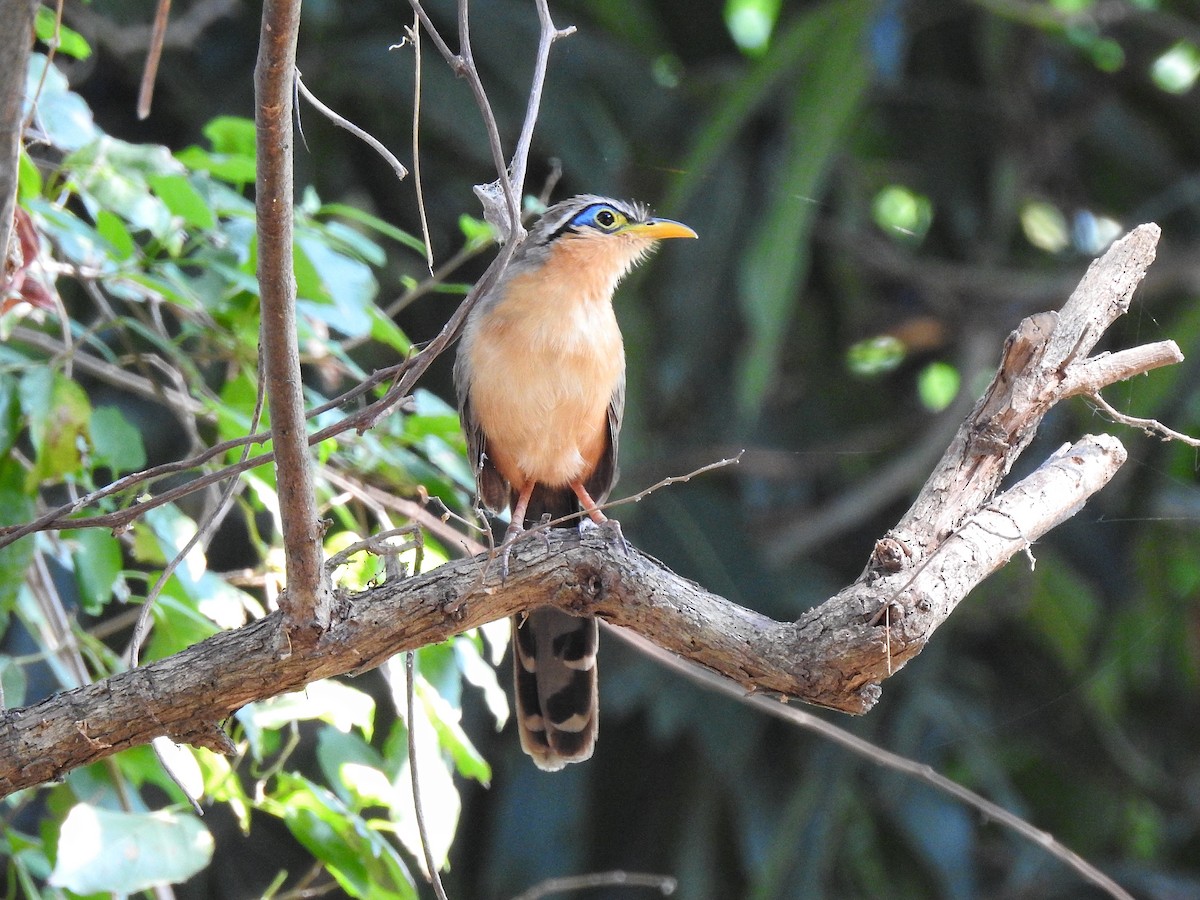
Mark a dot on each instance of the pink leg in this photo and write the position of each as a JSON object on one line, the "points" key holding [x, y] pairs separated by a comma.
{"points": [[516, 526], [589, 505]]}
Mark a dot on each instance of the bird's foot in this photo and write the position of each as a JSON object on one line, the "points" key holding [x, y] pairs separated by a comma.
{"points": [[511, 534], [543, 531], [609, 531]]}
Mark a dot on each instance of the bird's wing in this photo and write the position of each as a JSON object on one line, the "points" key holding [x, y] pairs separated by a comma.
{"points": [[493, 489], [604, 476]]}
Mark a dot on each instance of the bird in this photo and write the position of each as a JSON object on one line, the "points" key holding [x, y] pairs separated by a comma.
{"points": [[540, 381]]}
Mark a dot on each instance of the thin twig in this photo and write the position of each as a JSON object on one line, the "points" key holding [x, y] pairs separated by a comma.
{"points": [[434, 878], [107, 372], [414, 34], [674, 479], [547, 35], [365, 136], [880, 757], [410, 693], [379, 544], [1152, 427], [411, 509], [463, 63], [665, 884], [153, 56], [203, 533]]}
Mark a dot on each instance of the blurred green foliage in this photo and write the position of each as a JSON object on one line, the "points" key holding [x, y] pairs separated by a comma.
{"points": [[883, 190]]}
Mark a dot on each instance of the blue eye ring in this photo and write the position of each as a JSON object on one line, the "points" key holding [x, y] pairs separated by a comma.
{"points": [[600, 216]]}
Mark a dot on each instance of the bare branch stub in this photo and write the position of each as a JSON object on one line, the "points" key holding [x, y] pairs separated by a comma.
{"points": [[1038, 369]]}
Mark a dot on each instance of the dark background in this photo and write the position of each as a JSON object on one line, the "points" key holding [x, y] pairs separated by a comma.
{"points": [[1066, 693]]}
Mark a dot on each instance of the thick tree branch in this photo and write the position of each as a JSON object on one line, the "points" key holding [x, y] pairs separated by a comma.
{"points": [[961, 529], [308, 599]]}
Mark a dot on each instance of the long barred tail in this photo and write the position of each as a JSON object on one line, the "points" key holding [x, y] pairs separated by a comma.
{"points": [[554, 669]]}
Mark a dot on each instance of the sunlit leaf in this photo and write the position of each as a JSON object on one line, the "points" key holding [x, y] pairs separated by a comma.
{"points": [[937, 385], [29, 179], [750, 23], [875, 355], [1045, 226], [12, 681], [63, 39], [330, 701], [361, 859], [231, 134], [104, 850], [1176, 70], [61, 113], [183, 200], [902, 214]]}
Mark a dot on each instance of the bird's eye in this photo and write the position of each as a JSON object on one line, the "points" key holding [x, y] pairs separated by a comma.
{"points": [[601, 217]]}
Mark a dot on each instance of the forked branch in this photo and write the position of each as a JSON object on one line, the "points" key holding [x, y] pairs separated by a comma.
{"points": [[959, 531]]}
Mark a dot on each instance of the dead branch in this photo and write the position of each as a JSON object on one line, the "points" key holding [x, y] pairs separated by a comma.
{"points": [[961, 529]]}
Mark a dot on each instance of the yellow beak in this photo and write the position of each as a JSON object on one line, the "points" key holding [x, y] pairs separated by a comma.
{"points": [[659, 229]]}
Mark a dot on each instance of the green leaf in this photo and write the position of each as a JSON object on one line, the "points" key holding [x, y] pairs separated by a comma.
{"points": [[63, 115], [231, 134], [114, 175], [115, 443], [183, 200], [364, 863], [78, 241], [12, 680], [937, 385], [29, 179], [388, 332], [339, 278], [98, 565], [482, 675], [340, 705], [453, 740], [120, 852], [16, 506], [355, 769], [875, 355], [58, 412], [387, 229], [178, 624], [477, 231], [233, 169], [10, 414], [828, 91], [59, 36], [439, 795], [750, 23], [110, 227], [347, 240]]}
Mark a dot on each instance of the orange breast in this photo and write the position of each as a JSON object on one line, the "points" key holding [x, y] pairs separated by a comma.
{"points": [[545, 362]]}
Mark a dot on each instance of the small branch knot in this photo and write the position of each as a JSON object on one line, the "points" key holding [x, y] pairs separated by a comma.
{"points": [[889, 555]]}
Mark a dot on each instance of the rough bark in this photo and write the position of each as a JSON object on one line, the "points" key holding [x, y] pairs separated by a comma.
{"points": [[16, 24]]}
